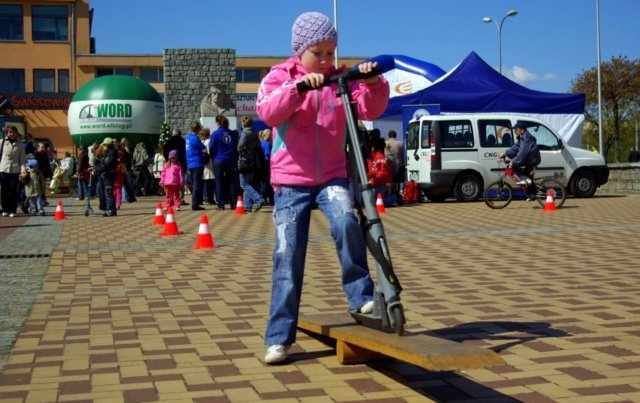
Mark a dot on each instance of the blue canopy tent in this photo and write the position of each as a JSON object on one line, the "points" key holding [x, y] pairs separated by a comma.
{"points": [[475, 87]]}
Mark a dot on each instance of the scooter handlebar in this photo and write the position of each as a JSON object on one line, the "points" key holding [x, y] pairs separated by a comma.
{"points": [[384, 64]]}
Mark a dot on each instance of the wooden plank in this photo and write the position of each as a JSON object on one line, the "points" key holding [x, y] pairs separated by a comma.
{"points": [[355, 343]]}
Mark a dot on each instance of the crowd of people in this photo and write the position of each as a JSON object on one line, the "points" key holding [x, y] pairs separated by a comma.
{"points": [[216, 167]]}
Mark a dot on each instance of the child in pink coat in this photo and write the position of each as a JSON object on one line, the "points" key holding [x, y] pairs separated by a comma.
{"points": [[118, 183], [172, 179]]}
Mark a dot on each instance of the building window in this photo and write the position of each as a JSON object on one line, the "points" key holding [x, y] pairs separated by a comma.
{"points": [[63, 80], [44, 80], [11, 28], [248, 75], [152, 74], [50, 23], [110, 71], [12, 80]]}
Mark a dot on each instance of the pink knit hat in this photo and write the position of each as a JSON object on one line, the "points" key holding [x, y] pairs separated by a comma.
{"points": [[310, 29]]}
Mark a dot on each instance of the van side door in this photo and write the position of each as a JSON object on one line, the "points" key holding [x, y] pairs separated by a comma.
{"points": [[495, 136], [552, 162]]}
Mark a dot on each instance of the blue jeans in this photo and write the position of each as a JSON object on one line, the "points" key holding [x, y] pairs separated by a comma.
{"points": [[251, 196], [107, 200], [292, 215], [127, 190], [36, 204], [196, 186], [82, 189]]}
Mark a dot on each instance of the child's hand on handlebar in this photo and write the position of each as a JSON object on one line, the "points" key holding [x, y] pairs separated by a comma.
{"points": [[367, 67], [313, 80]]}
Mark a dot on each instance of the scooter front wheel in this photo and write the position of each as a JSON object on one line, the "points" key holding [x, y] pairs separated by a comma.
{"points": [[398, 319]]}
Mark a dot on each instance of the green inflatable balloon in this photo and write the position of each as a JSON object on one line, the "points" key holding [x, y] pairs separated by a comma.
{"points": [[116, 106]]}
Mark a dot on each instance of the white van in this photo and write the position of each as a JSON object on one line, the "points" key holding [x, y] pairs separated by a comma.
{"points": [[457, 155]]}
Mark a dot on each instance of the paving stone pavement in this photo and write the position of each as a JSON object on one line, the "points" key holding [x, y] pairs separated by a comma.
{"points": [[122, 314]]}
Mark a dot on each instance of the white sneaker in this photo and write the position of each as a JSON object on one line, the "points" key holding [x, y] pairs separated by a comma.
{"points": [[276, 353], [524, 182], [12, 215], [367, 307], [5, 214]]}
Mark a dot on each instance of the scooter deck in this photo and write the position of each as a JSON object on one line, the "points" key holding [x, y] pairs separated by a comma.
{"points": [[358, 344]]}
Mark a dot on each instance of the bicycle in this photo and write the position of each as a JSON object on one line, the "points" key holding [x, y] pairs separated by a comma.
{"points": [[498, 194]]}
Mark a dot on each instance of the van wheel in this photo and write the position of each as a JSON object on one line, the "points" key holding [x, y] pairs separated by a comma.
{"points": [[467, 188], [583, 184]]}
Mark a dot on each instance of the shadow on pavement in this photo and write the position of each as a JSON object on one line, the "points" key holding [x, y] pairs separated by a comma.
{"points": [[519, 332]]}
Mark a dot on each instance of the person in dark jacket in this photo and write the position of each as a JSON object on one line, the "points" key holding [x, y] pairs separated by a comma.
{"points": [[42, 156], [194, 151], [524, 153], [83, 173], [250, 161], [223, 148], [106, 169]]}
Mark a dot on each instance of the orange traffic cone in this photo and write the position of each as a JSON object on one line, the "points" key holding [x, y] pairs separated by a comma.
{"points": [[240, 206], [59, 211], [549, 205], [170, 225], [380, 204], [159, 218], [204, 240]]}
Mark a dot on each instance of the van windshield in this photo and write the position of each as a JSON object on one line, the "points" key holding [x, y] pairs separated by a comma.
{"points": [[544, 137]]}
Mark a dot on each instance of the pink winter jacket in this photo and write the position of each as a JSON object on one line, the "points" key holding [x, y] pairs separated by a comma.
{"points": [[172, 174], [309, 133]]}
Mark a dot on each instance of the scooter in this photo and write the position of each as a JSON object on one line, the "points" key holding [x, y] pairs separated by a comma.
{"points": [[388, 312], [87, 209]]}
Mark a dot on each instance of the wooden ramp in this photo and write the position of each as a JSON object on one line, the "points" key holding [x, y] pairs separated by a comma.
{"points": [[357, 344]]}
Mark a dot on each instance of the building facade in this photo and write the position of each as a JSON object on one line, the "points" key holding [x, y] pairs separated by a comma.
{"points": [[48, 52]]}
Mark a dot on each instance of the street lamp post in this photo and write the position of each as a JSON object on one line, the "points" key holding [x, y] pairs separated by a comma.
{"points": [[335, 24], [511, 13]]}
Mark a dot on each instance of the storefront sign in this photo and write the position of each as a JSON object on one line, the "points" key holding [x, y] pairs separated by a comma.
{"points": [[246, 104], [37, 100]]}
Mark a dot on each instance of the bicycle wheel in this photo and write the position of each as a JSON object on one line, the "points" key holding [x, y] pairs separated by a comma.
{"points": [[558, 192], [498, 195]]}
